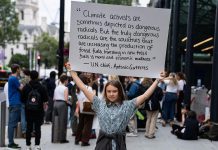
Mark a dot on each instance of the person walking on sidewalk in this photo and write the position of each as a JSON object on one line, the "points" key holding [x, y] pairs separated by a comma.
{"points": [[15, 104], [112, 127], [34, 95]]}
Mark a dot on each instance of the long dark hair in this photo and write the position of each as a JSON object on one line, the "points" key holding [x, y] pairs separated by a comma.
{"points": [[181, 75], [117, 84], [191, 114]]}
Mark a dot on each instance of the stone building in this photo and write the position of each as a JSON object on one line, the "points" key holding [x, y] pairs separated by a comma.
{"points": [[28, 11]]}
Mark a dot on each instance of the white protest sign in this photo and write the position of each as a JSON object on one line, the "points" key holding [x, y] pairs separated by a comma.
{"points": [[118, 40]]}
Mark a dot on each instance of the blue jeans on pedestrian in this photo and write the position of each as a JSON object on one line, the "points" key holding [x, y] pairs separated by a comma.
{"points": [[169, 104], [14, 118], [23, 119]]}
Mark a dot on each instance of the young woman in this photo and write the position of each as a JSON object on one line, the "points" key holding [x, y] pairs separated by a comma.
{"points": [[113, 112], [60, 108], [190, 129], [84, 128], [181, 83], [169, 103]]}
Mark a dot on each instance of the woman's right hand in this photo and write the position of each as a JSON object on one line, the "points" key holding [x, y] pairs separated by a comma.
{"points": [[68, 67]]}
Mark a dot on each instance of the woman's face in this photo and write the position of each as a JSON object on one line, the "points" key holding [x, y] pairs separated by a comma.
{"points": [[177, 77], [112, 93]]}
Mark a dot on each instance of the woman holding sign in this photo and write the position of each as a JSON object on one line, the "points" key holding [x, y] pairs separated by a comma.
{"points": [[113, 112]]}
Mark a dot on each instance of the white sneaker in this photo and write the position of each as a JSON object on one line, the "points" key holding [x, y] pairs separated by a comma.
{"points": [[37, 147], [28, 148], [131, 135]]}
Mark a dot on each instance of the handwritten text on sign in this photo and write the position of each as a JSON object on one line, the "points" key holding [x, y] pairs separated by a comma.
{"points": [[121, 40]]}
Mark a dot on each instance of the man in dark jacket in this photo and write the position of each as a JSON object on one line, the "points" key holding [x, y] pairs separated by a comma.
{"points": [[34, 117], [50, 86]]}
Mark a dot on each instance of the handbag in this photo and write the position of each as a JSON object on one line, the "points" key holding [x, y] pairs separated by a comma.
{"points": [[87, 108]]}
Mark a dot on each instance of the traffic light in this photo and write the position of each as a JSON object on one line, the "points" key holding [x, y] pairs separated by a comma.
{"points": [[39, 60]]}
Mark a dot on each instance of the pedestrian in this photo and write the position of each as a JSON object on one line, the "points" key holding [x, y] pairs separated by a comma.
{"points": [[24, 80], [101, 83], [113, 112], [15, 104], [34, 95], [180, 101], [72, 94], [152, 107], [133, 93], [60, 108], [94, 84], [50, 85], [85, 119], [169, 103]]}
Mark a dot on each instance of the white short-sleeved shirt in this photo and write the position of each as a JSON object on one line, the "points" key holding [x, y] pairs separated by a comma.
{"points": [[82, 98], [181, 84], [170, 87]]}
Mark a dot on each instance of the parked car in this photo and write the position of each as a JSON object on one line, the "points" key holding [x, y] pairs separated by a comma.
{"points": [[4, 75]]}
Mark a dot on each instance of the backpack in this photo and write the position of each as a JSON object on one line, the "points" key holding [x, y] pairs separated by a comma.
{"points": [[153, 103], [140, 90], [213, 133], [34, 100], [50, 85], [72, 93]]}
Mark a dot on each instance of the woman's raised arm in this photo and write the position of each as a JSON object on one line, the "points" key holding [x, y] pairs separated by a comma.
{"points": [[80, 84], [142, 98]]}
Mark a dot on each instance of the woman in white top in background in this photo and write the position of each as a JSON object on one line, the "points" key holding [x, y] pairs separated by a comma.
{"points": [[85, 119], [168, 108], [181, 83], [60, 108]]}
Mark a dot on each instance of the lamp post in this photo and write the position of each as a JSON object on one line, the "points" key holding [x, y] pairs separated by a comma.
{"points": [[214, 100], [61, 39]]}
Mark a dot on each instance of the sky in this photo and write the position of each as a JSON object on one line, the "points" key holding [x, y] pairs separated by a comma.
{"points": [[50, 9]]}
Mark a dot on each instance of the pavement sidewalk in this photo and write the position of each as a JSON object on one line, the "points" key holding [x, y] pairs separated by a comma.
{"points": [[164, 141]]}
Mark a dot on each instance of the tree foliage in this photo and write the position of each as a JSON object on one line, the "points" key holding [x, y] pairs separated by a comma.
{"points": [[47, 47], [117, 2], [8, 23], [19, 59]]}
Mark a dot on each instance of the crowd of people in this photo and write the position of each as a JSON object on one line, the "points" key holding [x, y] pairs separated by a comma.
{"points": [[122, 100]]}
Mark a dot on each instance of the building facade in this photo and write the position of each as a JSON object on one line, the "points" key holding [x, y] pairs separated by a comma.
{"points": [[28, 12]]}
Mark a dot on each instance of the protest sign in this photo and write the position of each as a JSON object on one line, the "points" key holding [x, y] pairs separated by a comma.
{"points": [[118, 40]]}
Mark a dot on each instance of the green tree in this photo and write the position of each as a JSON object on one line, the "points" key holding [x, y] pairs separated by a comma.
{"points": [[8, 23], [47, 47], [117, 2], [19, 59]]}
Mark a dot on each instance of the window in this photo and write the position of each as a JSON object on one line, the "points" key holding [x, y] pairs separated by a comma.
{"points": [[34, 15], [22, 14]]}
